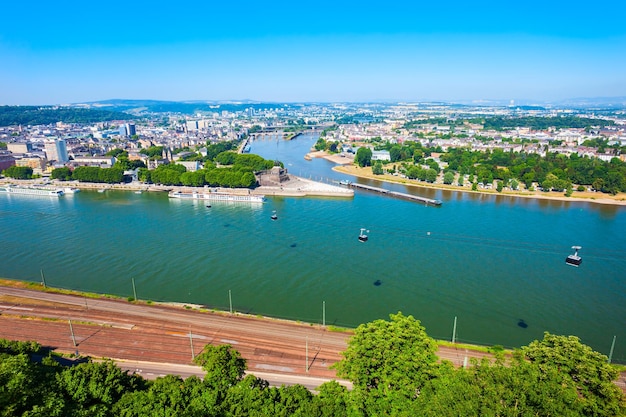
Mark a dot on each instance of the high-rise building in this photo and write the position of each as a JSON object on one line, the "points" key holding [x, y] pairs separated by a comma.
{"points": [[128, 129], [191, 125], [56, 150]]}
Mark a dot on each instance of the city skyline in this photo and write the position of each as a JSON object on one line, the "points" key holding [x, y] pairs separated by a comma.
{"points": [[312, 52]]}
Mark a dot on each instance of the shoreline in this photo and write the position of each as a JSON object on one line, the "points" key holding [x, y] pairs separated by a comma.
{"points": [[38, 287], [577, 196], [295, 187]]}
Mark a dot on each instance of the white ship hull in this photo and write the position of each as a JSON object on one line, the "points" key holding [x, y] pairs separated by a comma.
{"points": [[218, 196], [17, 190]]}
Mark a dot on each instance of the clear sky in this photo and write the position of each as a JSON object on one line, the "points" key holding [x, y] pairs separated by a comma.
{"points": [[56, 52]]}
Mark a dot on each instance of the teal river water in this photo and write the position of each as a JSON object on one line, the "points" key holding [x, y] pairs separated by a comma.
{"points": [[490, 261]]}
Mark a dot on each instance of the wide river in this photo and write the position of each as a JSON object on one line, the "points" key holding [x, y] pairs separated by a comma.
{"points": [[495, 263]]}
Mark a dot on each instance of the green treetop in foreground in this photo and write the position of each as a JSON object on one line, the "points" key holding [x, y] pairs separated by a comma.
{"points": [[392, 365]]}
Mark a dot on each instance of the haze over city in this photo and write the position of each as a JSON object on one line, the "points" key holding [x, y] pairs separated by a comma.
{"points": [[70, 52]]}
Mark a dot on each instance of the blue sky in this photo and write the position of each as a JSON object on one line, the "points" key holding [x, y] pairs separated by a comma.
{"points": [[68, 52]]}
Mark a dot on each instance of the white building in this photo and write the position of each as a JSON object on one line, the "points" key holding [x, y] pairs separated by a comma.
{"points": [[381, 156]]}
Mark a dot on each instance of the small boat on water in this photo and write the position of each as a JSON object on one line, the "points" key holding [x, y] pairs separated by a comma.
{"points": [[274, 216], [363, 236], [574, 259]]}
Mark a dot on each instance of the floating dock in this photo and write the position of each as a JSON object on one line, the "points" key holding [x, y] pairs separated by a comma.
{"points": [[411, 197]]}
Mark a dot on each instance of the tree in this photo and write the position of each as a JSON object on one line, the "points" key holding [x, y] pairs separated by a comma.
{"points": [[448, 177], [395, 153], [62, 174], [363, 157], [377, 168], [224, 366], [168, 396], [331, 400], [92, 388], [27, 388], [18, 173], [388, 362], [431, 175], [581, 368]]}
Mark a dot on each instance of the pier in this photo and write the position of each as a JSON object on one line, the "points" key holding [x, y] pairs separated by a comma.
{"points": [[411, 197]]}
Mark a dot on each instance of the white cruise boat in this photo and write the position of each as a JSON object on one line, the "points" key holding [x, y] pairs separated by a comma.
{"points": [[41, 191], [218, 196]]}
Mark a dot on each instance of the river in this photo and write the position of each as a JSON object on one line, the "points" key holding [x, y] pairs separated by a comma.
{"points": [[495, 263]]}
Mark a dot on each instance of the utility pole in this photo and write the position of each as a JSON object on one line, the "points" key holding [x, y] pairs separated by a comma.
{"points": [[191, 343], [230, 301], [323, 313], [134, 289], [43, 279], [307, 355], [72, 333], [454, 331], [611, 352]]}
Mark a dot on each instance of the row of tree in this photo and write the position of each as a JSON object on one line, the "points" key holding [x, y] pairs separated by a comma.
{"points": [[392, 365], [500, 123]]}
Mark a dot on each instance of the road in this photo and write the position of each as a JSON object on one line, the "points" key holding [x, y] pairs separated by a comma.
{"points": [[156, 339]]}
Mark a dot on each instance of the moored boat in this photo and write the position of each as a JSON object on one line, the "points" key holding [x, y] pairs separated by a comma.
{"points": [[218, 196], [40, 191]]}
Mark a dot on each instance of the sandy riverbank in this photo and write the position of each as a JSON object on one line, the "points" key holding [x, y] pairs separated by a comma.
{"points": [[339, 159], [585, 196]]}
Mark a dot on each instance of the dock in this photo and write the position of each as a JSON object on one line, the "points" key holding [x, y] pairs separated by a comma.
{"points": [[397, 194]]}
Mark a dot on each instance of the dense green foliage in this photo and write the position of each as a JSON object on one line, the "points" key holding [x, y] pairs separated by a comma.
{"points": [[62, 174], [555, 171], [212, 150], [235, 171], [100, 175], [391, 364], [511, 122], [363, 157], [18, 173], [32, 115], [540, 123]]}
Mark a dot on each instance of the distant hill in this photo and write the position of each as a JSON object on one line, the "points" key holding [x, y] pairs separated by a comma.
{"points": [[44, 115], [182, 107], [596, 102]]}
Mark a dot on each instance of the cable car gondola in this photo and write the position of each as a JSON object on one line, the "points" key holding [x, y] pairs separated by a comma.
{"points": [[574, 260]]}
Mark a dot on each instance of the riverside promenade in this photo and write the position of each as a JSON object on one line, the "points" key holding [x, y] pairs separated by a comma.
{"points": [[302, 187], [294, 187]]}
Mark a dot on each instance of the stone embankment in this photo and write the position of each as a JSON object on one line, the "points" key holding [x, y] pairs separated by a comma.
{"points": [[294, 187]]}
